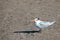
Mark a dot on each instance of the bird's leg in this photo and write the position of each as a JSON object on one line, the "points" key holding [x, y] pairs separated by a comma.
{"points": [[40, 30]]}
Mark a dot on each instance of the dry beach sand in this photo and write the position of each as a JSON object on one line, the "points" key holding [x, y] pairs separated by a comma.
{"points": [[17, 15]]}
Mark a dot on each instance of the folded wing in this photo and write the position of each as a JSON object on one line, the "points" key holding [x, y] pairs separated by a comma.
{"points": [[46, 24]]}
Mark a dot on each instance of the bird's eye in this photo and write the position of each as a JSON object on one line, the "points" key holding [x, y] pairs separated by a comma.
{"points": [[38, 18]]}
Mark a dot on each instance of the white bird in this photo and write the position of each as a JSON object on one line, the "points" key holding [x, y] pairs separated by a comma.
{"points": [[42, 24]]}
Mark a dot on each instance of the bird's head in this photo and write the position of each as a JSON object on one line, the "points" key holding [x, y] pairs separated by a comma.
{"points": [[36, 19]]}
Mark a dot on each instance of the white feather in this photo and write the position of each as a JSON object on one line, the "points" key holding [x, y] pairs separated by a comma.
{"points": [[43, 24]]}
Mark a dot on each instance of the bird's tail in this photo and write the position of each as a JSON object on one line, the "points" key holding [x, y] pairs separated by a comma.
{"points": [[52, 22]]}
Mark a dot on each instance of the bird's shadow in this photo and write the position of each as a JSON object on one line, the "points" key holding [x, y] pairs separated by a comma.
{"points": [[28, 31]]}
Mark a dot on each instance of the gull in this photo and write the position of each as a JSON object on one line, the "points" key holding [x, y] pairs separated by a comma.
{"points": [[42, 24]]}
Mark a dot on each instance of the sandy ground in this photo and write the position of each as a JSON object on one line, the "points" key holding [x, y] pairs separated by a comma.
{"points": [[17, 15]]}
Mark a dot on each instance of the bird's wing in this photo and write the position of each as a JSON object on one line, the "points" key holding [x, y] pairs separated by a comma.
{"points": [[46, 24], [42, 26]]}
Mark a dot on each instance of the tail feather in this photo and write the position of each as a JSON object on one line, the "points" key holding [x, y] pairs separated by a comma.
{"points": [[52, 22]]}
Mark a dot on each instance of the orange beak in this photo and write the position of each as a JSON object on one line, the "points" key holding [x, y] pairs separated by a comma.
{"points": [[33, 21]]}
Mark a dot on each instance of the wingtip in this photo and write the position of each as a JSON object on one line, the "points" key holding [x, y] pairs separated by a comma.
{"points": [[54, 21]]}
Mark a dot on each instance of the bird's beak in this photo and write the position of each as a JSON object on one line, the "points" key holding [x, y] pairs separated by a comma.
{"points": [[32, 20]]}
